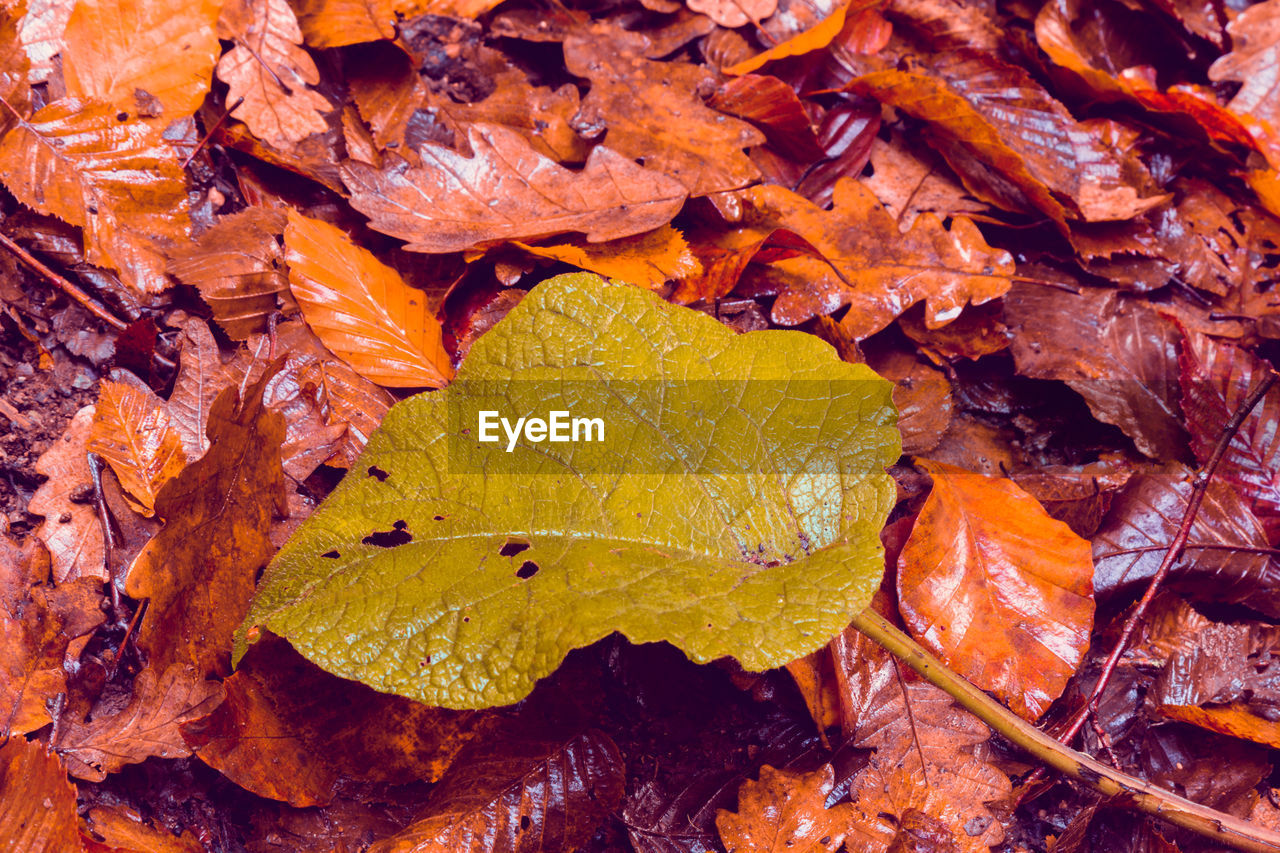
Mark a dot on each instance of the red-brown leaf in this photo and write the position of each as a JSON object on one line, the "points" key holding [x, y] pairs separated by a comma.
{"points": [[785, 812]]}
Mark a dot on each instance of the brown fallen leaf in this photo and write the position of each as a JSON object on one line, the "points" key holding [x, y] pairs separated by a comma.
{"points": [[509, 793], [734, 13], [270, 70], [337, 23], [133, 432], [37, 623], [201, 378], [649, 260], [14, 66], [40, 33], [542, 115], [199, 571], [163, 48], [290, 731], [37, 803], [122, 830], [237, 265], [785, 812], [911, 179], [118, 179], [651, 112], [508, 191], [814, 38], [1254, 61], [362, 310], [451, 8], [70, 529], [877, 271], [996, 588], [131, 725], [387, 91]]}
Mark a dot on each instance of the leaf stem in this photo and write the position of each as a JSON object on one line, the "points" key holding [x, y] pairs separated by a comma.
{"points": [[1210, 823]]}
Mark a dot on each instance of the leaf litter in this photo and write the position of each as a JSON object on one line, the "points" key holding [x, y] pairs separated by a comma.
{"points": [[1053, 228]]}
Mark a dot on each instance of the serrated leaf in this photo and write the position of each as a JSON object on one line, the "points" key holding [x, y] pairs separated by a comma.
{"points": [[734, 508], [134, 433], [362, 310], [785, 811]]}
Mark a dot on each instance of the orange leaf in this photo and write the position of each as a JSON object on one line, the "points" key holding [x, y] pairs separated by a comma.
{"points": [[117, 179], [70, 529], [649, 260], [881, 272], [508, 191], [815, 38], [14, 65], [271, 71], [236, 266], [468, 9], [336, 23], [785, 813], [132, 431], [37, 803], [166, 48], [654, 114], [996, 588], [123, 830], [362, 310]]}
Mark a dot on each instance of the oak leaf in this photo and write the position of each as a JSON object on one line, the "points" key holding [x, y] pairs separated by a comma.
{"points": [[649, 260], [516, 794], [785, 812], [362, 310], [199, 571], [133, 432], [237, 265], [874, 269], [542, 115], [162, 48], [508, 191], [70, 530], [653, 114], [118, 179], [37, 803], [337, 23], [999, 590], [271, 71]]}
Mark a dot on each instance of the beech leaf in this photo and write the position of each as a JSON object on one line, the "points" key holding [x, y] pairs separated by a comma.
{"points": [[649, 260], [37, 803], [999, 590], [133, 432], [733, 508], [508, 191], [785, 812], [362, 310]]}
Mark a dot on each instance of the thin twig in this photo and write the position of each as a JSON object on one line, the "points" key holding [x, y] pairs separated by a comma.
{"points": [[1171, 556], [208, 134], [96, 465], [67, 287], [1210, 823], [1192, 546]]}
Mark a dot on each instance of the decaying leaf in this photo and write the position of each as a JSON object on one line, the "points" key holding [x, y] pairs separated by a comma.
{"points": [[814, 38], [37, 803], [335, 23], [476, 552], [874, 269], [270, 70], [1254, 62], [362, 310], [508, 191], [132, 431], [161, 48], [70, 529], [649, 260], [122, 828], [784, 812], [201, 378], [517, 794], [732, 13], [999, 590]]}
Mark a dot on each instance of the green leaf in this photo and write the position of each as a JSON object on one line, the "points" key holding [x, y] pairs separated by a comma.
{"points": [[733, 508]]}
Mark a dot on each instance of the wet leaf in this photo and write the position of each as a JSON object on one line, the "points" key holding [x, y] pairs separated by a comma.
{"points": [[508, 191], [14, 65], [237, 265], [270, 70], [162, 48], [714, 591], [132, 431], [199, 571], [730, 13], [1254, 62], [70, 529], [641, 102], [514, 794], [116, 178], [649, 260], [201, 378], [785, 812], [335, 23], [123, 830], [37, 622], [362, 310], [815, 38], [874, 269], [999, 590], [37, 803]]}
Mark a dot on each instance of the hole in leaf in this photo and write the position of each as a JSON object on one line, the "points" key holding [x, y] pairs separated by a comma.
{"points": [[513, 547], [332, 555], [375, 471], [527, 570], [397, 535], [257, 576], [437, 518], [524, 822], [122, 116], [466, 618]]}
